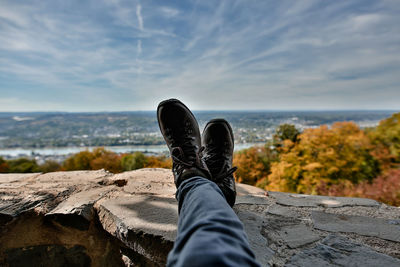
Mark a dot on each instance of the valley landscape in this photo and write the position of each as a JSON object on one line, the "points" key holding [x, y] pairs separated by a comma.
{"points": [[57, 134]]}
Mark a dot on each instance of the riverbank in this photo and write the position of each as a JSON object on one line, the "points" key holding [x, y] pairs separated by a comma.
{"points": [[60, 153]]}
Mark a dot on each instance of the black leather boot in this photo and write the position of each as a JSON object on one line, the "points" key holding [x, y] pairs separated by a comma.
{"points": [[182, 135], [218, 153]]}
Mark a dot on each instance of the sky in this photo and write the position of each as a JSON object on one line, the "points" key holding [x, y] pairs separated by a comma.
{"points": [[117, 55]]}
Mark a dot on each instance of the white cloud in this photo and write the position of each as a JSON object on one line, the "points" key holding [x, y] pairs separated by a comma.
{"points": [[17, 18], [139, 47], [365, 20], [139, 16], [169, 12], [262, 57]]}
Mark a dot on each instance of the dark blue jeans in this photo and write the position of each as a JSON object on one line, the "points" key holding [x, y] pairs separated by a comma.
{"points": [[209, 232]]}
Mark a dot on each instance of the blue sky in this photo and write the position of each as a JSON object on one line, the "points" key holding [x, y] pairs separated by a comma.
{"points": [[116, 55]]}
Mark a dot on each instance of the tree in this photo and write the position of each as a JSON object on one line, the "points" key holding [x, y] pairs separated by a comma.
{"points": [[384, 188], [323, 157], [285, 132], [50, 166], [386, 140], [133, 161], [23, 165], [3, 165], [158, 162], [100, 158], [253, 164], [105, 159], [79, 161]]}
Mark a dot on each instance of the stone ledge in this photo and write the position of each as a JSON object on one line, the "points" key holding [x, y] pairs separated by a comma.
{"points": [[134, 215]]}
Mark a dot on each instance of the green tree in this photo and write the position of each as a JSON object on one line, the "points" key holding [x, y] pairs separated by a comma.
{"points": [[23, 165], [133, 161], [50, 166], [286, 132], [79, 161]]}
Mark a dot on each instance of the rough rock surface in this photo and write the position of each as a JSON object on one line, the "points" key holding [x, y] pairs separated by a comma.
{"points": [[94, 218], [340, 251]]}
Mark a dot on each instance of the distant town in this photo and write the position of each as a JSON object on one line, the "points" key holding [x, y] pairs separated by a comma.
{"points": [[56, 135]]}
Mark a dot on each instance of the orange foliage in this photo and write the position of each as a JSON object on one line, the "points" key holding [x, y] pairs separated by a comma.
{"points": [[253, 165], [324, 157], [107, 160], [386, 140], [4, 167], [100, 158], [158, 162]]}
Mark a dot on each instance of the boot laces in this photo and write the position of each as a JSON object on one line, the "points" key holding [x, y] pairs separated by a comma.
{"points": [[214, 158], [185, 144], [181, 162]]}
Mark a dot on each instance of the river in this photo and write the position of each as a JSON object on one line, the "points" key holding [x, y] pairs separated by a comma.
{"points": [[58, 151]]}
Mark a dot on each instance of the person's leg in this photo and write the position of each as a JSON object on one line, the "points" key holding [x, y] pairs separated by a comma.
{"points": [[209, 232]]}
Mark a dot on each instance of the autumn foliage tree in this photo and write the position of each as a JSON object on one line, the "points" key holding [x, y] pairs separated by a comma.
{"points": [[105, 159], [3, 165], [158, 162], [384, 188], [253, 164], [324, 157], [99, 158], [79, 161], [386, 140]]}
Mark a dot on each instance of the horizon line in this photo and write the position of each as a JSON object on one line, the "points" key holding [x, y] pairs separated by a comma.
{"points": [[209, 110]]}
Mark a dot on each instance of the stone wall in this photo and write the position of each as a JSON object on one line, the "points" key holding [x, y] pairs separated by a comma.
{"points": [[94, 218]]}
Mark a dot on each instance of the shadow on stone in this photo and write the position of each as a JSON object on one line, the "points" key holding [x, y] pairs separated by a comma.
{"points": [[144, 223], [152, 210], [48, 255], [70, 220], [34, 240]]}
